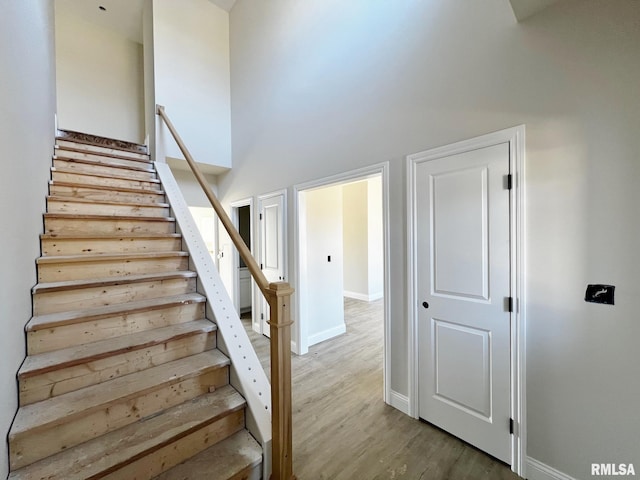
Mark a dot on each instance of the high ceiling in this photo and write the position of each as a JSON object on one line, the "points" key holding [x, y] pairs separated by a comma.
{"points": [[125, 16], [525, 8]]}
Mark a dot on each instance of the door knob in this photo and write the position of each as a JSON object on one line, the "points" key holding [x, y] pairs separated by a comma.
{"points": [[425, 304]]}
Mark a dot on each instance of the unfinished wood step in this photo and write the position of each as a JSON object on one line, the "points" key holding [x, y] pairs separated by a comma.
{"points": [[102, 150], [95, 168], [85, 294], [106, 193], [67, 223], [55, 331], [119, 181], [55, 373], [238, 457], [53, 244], [56, 424], [145, 449], [77, 267], [69, 152], [83, 206]]}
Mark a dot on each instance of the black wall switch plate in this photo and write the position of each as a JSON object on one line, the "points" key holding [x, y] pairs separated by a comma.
{"points": [[599, 294]]}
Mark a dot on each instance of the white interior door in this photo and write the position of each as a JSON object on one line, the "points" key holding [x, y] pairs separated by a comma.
{"points": [[272, 246], [463, 288]]}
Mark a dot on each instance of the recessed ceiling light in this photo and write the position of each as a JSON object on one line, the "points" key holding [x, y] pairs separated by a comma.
{"points": [[102, 8]]}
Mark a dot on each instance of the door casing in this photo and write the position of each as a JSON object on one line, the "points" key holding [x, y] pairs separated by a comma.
{"points": [[299, 342], [515, 136]]}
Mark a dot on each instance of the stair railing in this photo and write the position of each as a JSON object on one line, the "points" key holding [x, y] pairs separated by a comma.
{"points": [[278, 295]]}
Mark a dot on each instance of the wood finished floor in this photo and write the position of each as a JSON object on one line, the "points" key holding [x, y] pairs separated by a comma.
{"points": [[342, 429]]}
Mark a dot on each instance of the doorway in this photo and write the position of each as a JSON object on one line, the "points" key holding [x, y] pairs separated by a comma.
{"points": [[330, 268], [466, 291], [243, 284]]}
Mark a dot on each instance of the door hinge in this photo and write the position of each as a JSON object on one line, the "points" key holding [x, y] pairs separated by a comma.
{"points": [[509, 181], [262, 316], [260, 216], [508, 301], [511, 426], [261, 267]]}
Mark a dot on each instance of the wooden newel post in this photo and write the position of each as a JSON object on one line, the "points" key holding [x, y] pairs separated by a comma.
{"points": [[281, 423]]}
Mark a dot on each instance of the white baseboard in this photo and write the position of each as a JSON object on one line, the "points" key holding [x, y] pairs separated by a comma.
{"points": [[537, 470], [363, 296], [327, 334], [399, 401]]}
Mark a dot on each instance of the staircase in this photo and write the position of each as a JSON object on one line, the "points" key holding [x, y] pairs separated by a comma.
{"points": [[122, 378]]}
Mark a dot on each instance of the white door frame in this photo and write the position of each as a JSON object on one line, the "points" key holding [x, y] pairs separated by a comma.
{"points": [[300, 344], [515, 136], [258, 297], [245, 202]]}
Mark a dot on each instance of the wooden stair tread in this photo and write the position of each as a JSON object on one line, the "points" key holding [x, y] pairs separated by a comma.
{"points": [[75, 149], [107, 281], [60, 198], [45, 362], [146, 168], [63, 153], [115, 449], [74, 216], [222, 461], [52, 320], [107, 236], [90, 140], [106, 187], [103, 175], [60, 409], [105, 257]]}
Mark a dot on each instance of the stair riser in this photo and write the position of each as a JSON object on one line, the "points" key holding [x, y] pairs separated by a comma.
{"points": [[103, 150], [62, 272], [55, 338], [105, 195], [69, 177], [94, 157], [46, 440], [175, 453], [100, 169], [51, 384], [82, 208], [83, 298], [110, 226]]}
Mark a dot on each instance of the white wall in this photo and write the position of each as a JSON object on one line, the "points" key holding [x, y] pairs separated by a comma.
{"points": [[363, 239], [320, 88], [191, 189], [149, 79], [356, 239], [99, 79], [191, 78], [27, 96], [323, 308]]}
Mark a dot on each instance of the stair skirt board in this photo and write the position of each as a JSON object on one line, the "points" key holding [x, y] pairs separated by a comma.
{"points": [[123, 376]]}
